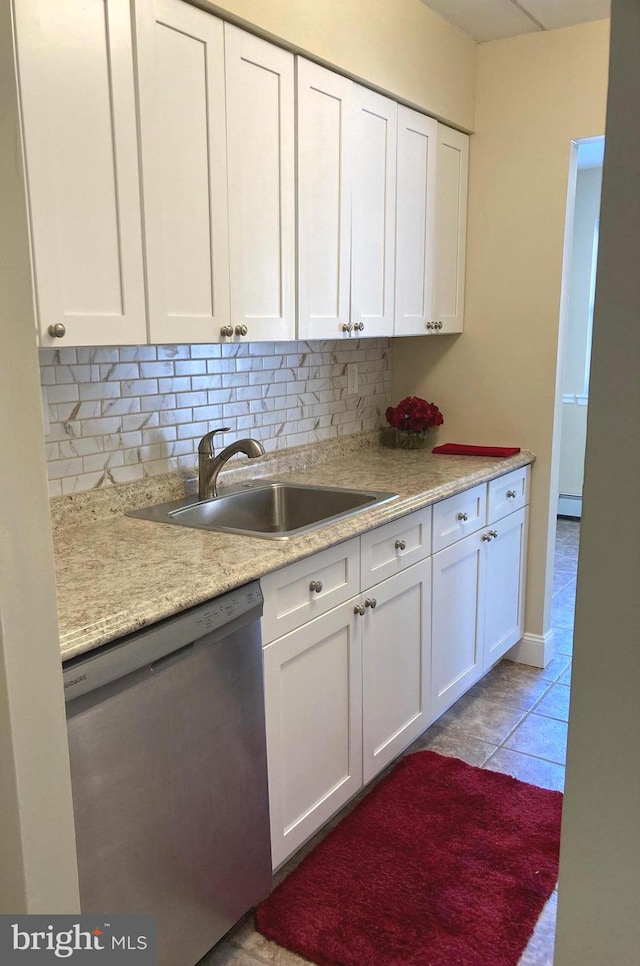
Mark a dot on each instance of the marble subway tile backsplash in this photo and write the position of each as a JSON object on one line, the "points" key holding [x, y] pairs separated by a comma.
{"points": [[124, 413]]}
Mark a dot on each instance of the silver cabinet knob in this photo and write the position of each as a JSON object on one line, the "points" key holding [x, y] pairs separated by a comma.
{"points": [[463, 516], [359, 610], [347, 327], [315, 586], [226, 330], [358, 327], [493, 533], [57, 331], [487, 537], [430, 325], [438, 325], [511, 494], [370, 602], [241, 330], [401, 545]]}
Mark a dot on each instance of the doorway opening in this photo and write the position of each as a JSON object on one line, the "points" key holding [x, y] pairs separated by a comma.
{"points": [[577, 321], [574, 363]]}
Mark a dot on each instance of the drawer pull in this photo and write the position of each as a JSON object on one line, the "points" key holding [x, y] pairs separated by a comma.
{"points": [[493, 533], [359, 610], [463, 516], [315, 586], [487, 537], [370, 602], [401, 545], [511, 494]]}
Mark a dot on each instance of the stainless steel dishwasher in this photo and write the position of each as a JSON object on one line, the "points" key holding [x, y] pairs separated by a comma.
{"points": [[169, 773]]}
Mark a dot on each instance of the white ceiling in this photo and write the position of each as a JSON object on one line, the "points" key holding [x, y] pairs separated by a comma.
{"points": [[495, 19]]}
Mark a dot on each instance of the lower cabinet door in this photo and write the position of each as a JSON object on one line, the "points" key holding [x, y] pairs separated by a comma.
{"points": [[396, 653], [457, 620], [313, 696], [504, 585]]}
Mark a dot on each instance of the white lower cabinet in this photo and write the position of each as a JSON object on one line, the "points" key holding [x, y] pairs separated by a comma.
{"points": [[313, 698], [478, 605], [396, 650], [369, 641], [505, 559], [456, 621]]}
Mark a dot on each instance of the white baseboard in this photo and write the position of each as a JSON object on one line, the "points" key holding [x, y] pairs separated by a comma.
{"points": [[569, 506], [533, 649]]}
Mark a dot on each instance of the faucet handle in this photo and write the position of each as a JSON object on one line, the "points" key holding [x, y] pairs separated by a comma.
{"points": [[206, 443]]}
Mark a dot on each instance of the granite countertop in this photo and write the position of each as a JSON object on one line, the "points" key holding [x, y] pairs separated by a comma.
{"points": [[116, 575]]}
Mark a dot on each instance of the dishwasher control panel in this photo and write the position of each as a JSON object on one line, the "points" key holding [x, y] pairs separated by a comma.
{"points": [[146, 647]]}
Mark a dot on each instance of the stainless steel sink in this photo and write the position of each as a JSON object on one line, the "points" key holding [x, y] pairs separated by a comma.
{"points": [[275, 511]]}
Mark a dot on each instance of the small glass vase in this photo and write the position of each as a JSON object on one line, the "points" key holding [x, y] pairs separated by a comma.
{"points": [[409, 439]]}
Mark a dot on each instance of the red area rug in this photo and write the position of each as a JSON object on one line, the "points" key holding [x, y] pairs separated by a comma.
{"points": [[442, 864]]}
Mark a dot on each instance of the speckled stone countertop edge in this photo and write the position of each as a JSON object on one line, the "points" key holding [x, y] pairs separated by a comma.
{"points": [[116, 576]]}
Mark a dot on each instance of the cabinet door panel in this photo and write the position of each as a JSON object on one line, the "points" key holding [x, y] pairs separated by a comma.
{"points": [[508, 493], [289, 599], [459, 516], [451, 228], [415, 221], [324, 201], [374, 202], [504, 586], [457, 620], [395, 666], [260, 139], [393, 547], [182, 90], [79, 124], [313, 695]]}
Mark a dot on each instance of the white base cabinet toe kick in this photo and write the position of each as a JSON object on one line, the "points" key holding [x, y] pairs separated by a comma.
{"points": [[368, 642]]}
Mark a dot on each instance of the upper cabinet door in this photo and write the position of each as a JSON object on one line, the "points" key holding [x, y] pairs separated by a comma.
{"points": [[451, 228], [374, 206], [260, 136], [415, 222], [324, 201], [79, 124], [184, 165]]}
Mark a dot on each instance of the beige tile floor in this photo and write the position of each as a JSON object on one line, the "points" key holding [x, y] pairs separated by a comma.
{"points": [[513, 721]]}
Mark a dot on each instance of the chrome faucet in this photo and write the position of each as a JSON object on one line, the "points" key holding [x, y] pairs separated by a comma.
{"points": [[209, 465]]}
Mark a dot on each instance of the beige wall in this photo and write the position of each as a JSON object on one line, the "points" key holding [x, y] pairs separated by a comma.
{"points": [[37, 848], [598, 920], [399, 46], [496, 383]]}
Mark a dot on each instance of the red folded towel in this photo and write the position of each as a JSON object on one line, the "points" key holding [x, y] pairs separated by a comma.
{"points": [[460, 449]]}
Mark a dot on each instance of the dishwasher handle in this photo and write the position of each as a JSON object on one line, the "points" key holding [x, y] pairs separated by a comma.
{"points": [[172, 658]]}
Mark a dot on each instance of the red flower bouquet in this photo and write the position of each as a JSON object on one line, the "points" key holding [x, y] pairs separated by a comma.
{"points": [[412, 418]]}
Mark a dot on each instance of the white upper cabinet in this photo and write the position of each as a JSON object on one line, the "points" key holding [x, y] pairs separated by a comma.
{"points": [[451, 229], [415, 222], [79, 126], [184, 166], [260, 145], [373, 213], [324, 201]]}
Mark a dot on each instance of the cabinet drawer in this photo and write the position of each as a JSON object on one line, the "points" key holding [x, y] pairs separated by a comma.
{"points": [[290, 600], [508, 493], [393, 547], [458, 516]]}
